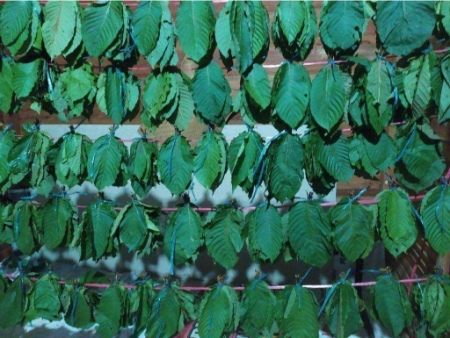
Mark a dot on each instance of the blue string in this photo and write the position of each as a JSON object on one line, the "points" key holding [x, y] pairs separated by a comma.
{"points": [[74, 306], [300, 282], [258, 280], [408, 142], [331, 291], [64, 195], [49, 81], [28, 198], [5, 130], [191, 189], [354, 198], [172, 251], [436, 211], [177, 134]]}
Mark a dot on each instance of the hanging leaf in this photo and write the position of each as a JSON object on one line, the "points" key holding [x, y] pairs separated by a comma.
{"points": [[100, 26], [146, 21], [223, 236], [257, 85], [58, 218], [222, 32], [294, 28], [184, 235], [264, 233], [7, 141], [44, 299], [296, 312], [8, 103], [80, 313], [26, 77], [284, 173], [342, 26], [412, 22], [397, 226], [242, 158], [309, 233], [444, 100], [342, 311], [210, 159], [353, 226], [71, 162], [435, 211], [257, 308], [328, 97], [118, 94], [211, 94], [135, 223], [290, 94], [434, 300], [219, 312], [142, 166], [182, 117], [171, 308], [58, 30], [333, 155], [195, 23], [175, 164], [13, 303], [443, 19], [140, 304], [25, 227], [110, 311], [392, 305], [107, 160]]}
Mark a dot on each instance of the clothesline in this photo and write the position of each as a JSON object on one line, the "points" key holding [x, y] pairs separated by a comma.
{"points": [[237, 288]]}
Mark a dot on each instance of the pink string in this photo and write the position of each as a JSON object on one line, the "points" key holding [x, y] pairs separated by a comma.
{"points": [[236, 288]]}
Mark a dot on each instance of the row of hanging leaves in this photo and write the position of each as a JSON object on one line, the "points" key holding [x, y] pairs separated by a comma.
{"points": [[305, 232], [241, 31], [34, 160], [162, 311]]}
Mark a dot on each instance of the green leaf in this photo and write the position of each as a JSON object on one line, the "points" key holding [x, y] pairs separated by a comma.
{"points": [[140, 304], [25, 234], [284, 176], [265, 233], [242, 157], [105, 160], [135, 225], [45, 299], [58, 30], [397, 226], [219, 312], [309, 233], [185, 108], [12, 303], [257, 85], [392, 305], [115, 95], [342, 26], [195, 23], [333, 155], [257, 308], [353, 228], [223, 237], [58, 219], [101, 23], [342, 311], [175, 164], [435, 211], [222, 32], [184, 235], [297, 310], [110, 311], [210, 159], [290, 93], [99, 219], [142, 166], [79, 314], [6, 88], [146, 21], [403, 26], [211, 94], [26, 77], [328, 97]]}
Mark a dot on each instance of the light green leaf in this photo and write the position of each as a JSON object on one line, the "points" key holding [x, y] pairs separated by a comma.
{"points": [[222, 32], [353, 228], [110, 311], [223, 236], [175, 164], [26, 77], [403, 26], [328, 97], [195, 23], [45, 299], [211, 94], [142, 166], [146, 21], [397, 225], [210, 159], [290, 93], [100, 26], [265, 233], [115, 92], [184, 235], [58, 30], [435, 211], [257, 85], [6, 87], [284, 176], [392, 305], [309, 233]]}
